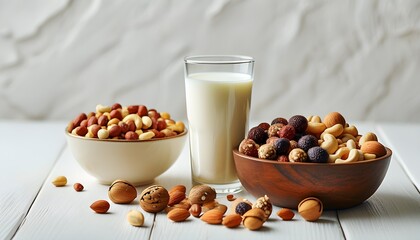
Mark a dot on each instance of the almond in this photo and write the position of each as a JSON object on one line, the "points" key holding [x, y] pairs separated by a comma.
{"points": [[178, 214], [195, 210], [179, 188], [100, 206], [373, 147], [232, 220], [175, 197], [213, 216], [286, 214]]}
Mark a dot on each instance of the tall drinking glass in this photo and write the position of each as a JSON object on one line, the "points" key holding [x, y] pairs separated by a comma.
{"points": [[218, 95]]}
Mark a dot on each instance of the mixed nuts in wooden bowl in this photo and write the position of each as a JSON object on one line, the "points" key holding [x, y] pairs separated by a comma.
{"points": [[326, 159]]}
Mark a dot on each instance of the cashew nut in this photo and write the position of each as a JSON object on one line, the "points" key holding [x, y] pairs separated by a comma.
{"points": [[124, 112], [103, 109], [340, 153], [103, 134], [351, 130], [330, 143], [113, 121], [336, 130], [135, 118], [369, 136], [165, 115], [353, 157], [347, 136], [314, 119], [178, 127], [351, 144], [147, 122], [368, 156], [315, 128], [146, 135]]}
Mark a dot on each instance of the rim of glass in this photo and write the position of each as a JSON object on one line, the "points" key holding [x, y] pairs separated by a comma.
{"points": [[218, 59]]}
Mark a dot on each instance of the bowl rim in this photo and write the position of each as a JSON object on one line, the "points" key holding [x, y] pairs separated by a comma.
{"points": [[388, 154], [124, 140]]}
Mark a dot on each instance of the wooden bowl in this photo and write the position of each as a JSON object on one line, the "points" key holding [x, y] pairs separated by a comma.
{"points": [[338, 186]]}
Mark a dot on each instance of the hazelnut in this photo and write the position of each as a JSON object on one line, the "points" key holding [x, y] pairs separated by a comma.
{"points": [[122, 191], [310, 209]]}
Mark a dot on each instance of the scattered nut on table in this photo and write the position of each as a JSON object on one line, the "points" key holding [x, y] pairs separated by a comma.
{"points": [[122, 191], [135, 218], [59, 181]]}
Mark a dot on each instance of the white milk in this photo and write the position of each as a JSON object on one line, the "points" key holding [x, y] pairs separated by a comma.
{"points": [[218, 106]]}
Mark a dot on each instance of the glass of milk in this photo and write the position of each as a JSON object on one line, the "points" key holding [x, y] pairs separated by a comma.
{"points": [[218, 96]]}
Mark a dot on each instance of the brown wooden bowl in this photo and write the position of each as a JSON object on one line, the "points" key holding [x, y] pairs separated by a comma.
{"points": [[338, 186]]}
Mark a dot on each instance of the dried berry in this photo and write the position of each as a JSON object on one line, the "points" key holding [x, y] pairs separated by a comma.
{"points": [[307, 142], [242, 208], [258, 135], [282, 146], [279, 120], [249, 147], [299, 122], [317, 155], [264, 126], [283, 158], [287, 131]]}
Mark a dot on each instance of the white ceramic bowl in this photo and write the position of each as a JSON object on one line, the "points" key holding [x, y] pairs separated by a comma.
{"points": [[138, 162]]}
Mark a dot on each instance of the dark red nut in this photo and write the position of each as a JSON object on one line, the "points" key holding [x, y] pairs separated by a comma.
{"points": [[103, 120], [264, 126], [299, 122], [116, 114], [279, 120], [142, 111], [94, 130], [91, 114], [258, 135], [131, 125], [84, 123], [287, 131], [79, 119], [114, 131], [306, 142], [123, 126], [81, 131], [282, 146], [157, 133], [267, 151], [132, 109], [317, 155], [152, 113], [92, 120], [249, 147], [274, 129], [160, 124], [131, 135], [116, 106]]}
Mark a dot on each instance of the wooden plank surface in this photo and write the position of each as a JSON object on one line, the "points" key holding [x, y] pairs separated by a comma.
{"points": [[28, 151], [61, 213]]}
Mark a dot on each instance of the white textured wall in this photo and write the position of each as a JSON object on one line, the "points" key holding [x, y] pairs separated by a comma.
{"points": [[60, 57]]}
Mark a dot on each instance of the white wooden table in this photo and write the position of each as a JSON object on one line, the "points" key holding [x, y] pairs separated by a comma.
{"points": [[33, 153]]}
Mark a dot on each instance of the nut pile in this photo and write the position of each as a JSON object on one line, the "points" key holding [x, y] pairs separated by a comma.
{"points": [[134, 122], [301, 139], [201, 202]]}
